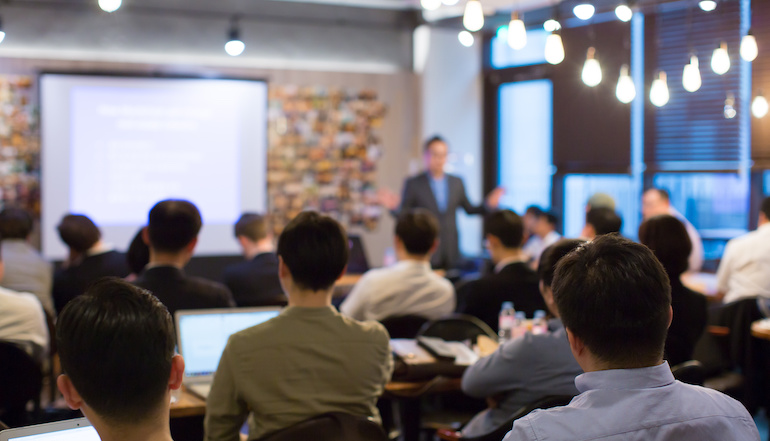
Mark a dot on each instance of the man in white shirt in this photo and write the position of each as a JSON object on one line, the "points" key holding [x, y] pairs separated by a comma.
{"points": [[544, 228], [410, 287], [745, 268], [657, 201]]}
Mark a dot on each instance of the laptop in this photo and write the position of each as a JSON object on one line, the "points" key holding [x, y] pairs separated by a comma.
{"points": [[70, 430], [201, 338]]}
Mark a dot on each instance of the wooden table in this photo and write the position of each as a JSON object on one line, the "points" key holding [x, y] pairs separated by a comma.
{"points": [[188, 405], [759, 331]]}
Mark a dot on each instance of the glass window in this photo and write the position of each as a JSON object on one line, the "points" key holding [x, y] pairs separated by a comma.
{"points": [[525, 143], [577, 190], [533, 53], [766, 184]]}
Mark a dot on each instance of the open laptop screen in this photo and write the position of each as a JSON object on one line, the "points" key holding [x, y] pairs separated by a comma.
{"points": [[203, 334], [70, 430]]}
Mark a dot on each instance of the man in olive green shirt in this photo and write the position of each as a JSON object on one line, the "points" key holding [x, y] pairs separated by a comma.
{"points": [[310, 359]]}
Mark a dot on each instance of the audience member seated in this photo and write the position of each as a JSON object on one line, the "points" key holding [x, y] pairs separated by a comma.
{"points": [[409, 287], [310, 359], [544, 228], [600, 221], [614, 299], [25, 268], [171, 234], [22, 321], [255, 281], [137, 256], [667, 237], [528, 368], [744, 271], [533, 245], [89, 259], [116, 344], [655, 202], [512, 279]]}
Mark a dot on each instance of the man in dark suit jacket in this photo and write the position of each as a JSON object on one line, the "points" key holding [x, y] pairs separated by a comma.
{"points": [[512, 279], [89, 259], [172, 233], [255, 282], [441, 194]]}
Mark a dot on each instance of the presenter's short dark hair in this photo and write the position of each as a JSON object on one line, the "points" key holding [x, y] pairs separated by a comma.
{"points": [[551, 256], [615, 296], [116, 344], [507, 226], [173, 224], [252, 226], [604, 220], [78, 232], [15, 223], [418, 230], [667, 237], [432, 140], [315, 249]]}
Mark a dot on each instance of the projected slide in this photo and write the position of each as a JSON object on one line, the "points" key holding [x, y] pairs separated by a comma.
{"points": [[114, 146]]}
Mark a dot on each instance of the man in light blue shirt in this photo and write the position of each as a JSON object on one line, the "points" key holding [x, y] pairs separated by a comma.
{"points": [[614, 298]]}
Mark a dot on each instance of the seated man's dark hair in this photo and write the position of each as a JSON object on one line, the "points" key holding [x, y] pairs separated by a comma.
{"points": [[550, 257], [506, 226], [138, 253], [765, 209], [315, 249], [667, 237], [535, 211], [604, 220], [418, 230], [15, 223], [615, 296], [173, 224], [78, 232], [116, 344], [252, 226]]}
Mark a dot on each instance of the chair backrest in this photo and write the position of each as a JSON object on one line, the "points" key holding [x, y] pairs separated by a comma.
{"points": [[503, 429], [690, 372], [21, 381], [405, 326], [457, 327], [334, 426]]}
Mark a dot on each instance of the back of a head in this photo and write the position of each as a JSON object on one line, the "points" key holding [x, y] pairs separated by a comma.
{"points": [[315, 249], [116, 344], [138, 253], [252, 226], [667, 237], [551, 256], [173, 224], [601, 200], [418, 230], [765, 209], [507, 226], [615, 296], [604, 220], [534, 210], [78, 232], [15, 223]]}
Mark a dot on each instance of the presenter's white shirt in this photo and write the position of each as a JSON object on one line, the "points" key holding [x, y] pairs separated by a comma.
{"points": [[745, 267], [22, 322], [409, 287]]}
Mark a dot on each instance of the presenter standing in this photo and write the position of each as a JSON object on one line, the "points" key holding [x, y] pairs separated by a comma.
{"points": [[441, 194]]}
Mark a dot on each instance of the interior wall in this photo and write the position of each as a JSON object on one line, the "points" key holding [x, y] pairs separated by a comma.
{"points": [[400, 92]]}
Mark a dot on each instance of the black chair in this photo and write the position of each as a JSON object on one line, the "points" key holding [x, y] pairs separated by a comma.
{"points": [[334, 426], [457, 327], [690, 372], [405, 326], [500, 432], [21, 381]]}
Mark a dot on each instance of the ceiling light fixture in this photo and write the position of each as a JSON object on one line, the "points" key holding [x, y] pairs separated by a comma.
{"points": [[517, 32], [626, 90], [592, 70], [554, 49], [473, 19], [720, 59], [110, 5], [691, 80], [624, 13], [659, 94], [759, 107], [551, 25], [430, 5], [749, 49], [708, 5], [584, 11], [234, 45], [466, 38]]}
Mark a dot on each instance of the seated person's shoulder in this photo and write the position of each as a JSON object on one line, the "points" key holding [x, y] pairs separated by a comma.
{"points": [[368, 329]]}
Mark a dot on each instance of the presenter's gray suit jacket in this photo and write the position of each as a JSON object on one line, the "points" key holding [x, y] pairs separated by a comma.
{"points": [[418, 194]]}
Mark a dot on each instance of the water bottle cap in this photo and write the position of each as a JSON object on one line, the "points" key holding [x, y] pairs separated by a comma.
{"points": [[507, 305], [521, 315], [539, 313]]}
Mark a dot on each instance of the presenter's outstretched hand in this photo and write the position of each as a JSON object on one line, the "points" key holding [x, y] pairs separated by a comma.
{"points": [[388, 199], [493, 198]]}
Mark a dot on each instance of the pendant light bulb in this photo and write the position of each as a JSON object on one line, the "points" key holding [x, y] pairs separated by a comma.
{"points": [[691, 79], [554, 49], [110, 5], [759, 107], [749, 49], [592, 70], [234, 45], [624, 13], [473, 19], [430, 5], [584, 11], [450, 2], [517, 33], [720, 59], [551, 25], [626, 90], [707, 5], [659, 95], [466, 38]]}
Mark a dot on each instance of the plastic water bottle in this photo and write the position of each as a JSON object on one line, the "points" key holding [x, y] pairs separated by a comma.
{"points": [[521, 324], [539, 325], [506, 322]]}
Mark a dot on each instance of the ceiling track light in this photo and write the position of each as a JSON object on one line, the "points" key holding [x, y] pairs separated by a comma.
{"points": [[584, 11], [110, 5], [234, 45], [707, 5]]}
